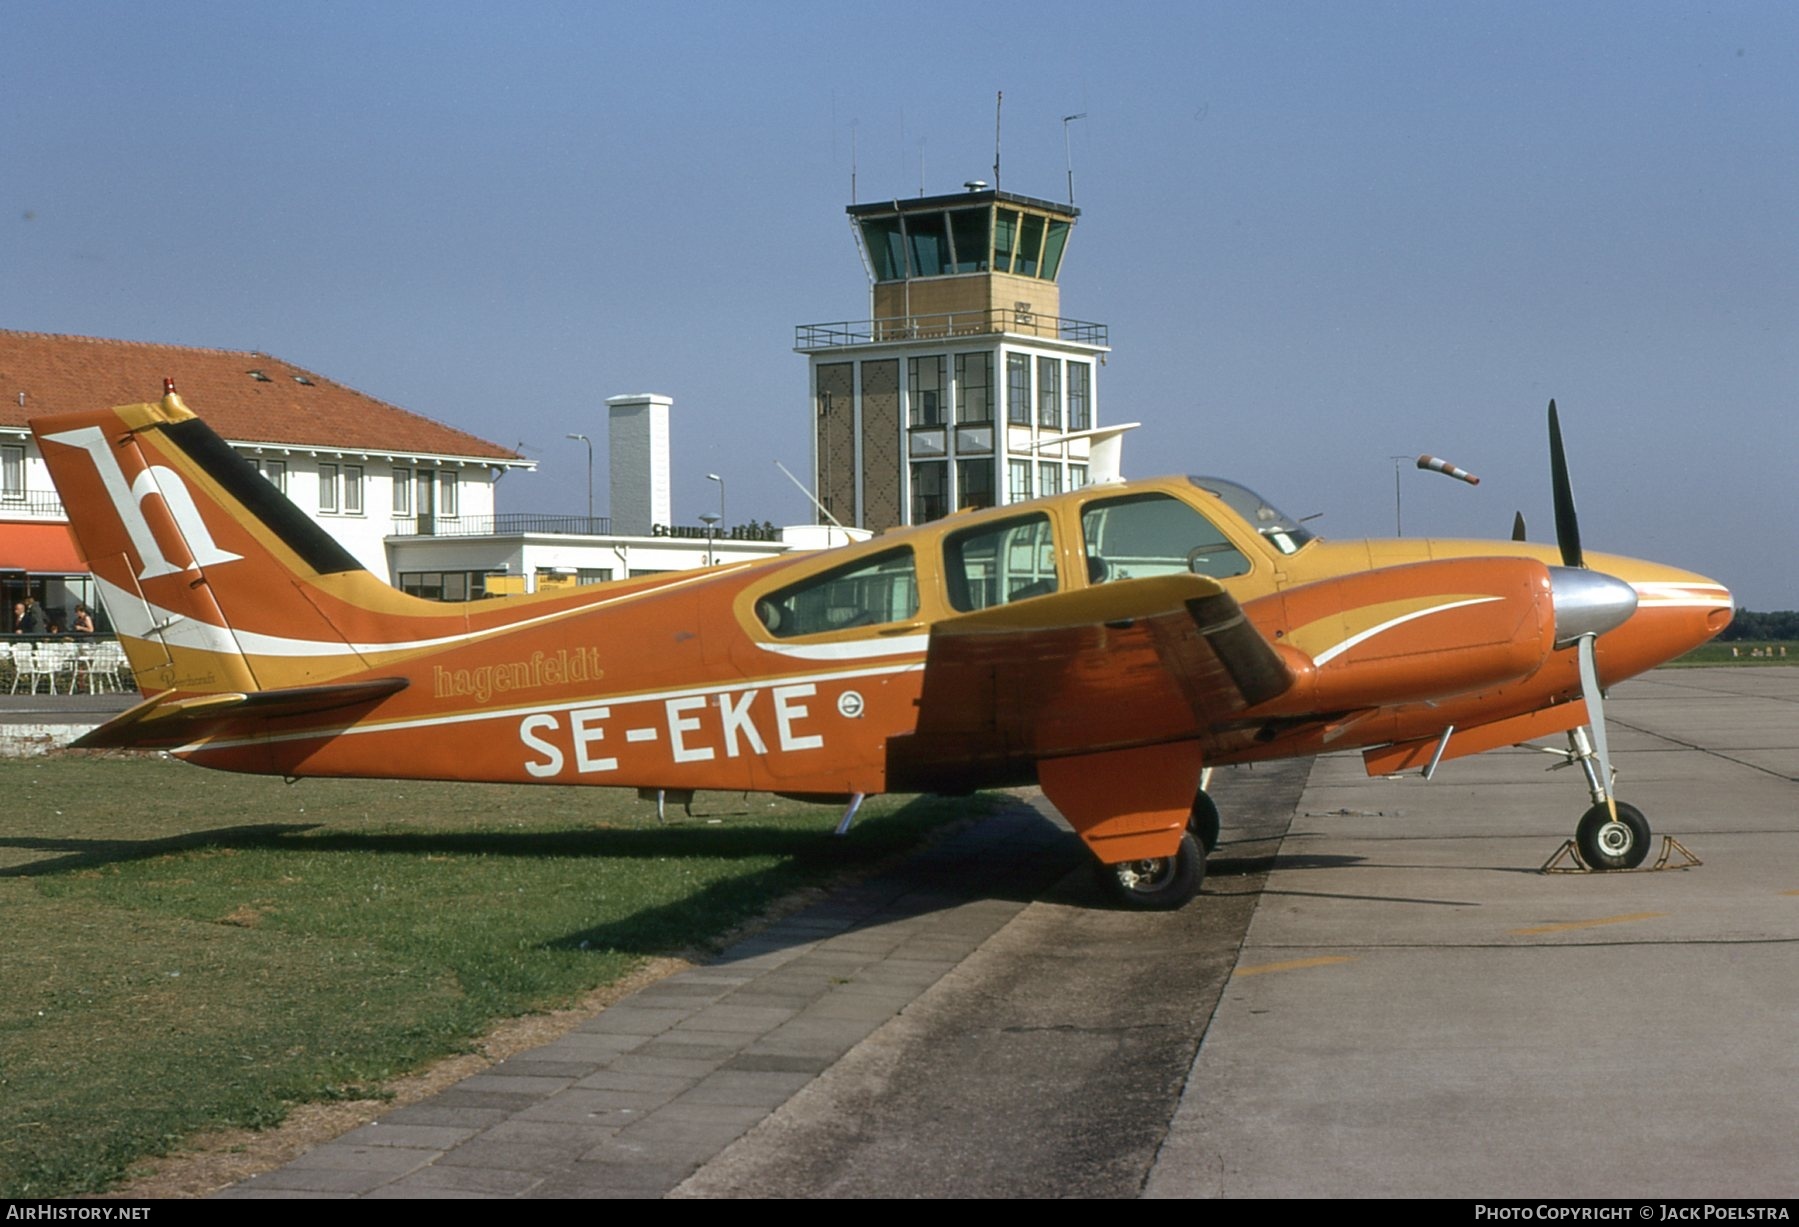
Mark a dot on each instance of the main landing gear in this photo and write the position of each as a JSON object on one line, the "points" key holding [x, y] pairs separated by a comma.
{"points": [[1162, 884], [1157, 884]]}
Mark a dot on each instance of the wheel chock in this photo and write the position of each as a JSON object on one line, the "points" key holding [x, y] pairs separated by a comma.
{"points": [[1571, 855]]}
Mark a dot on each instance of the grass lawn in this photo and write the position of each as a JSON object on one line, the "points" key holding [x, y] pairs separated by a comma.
{"points": [[187, 950]]}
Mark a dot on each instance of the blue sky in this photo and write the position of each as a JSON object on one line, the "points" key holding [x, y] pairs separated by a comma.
{"points": [[1321, 234]]}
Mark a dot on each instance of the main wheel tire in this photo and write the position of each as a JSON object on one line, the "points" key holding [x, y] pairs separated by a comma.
{"points": [[1157, 884], [1608, 844], [1203, 821]]}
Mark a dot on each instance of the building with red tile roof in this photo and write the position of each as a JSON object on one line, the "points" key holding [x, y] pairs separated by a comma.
{"points": [[247, 397], [366, 469]]}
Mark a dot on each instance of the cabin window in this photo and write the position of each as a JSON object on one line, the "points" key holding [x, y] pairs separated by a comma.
{"points": [[999, 563], [1154, 534], [1270, 522], [870, 592]]}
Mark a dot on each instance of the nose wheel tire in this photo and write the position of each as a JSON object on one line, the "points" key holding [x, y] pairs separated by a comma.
{"points": [[1157, 884], [1606, 843]]}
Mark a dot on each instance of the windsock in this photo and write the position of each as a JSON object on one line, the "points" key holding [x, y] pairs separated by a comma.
{"points": [[1443, 466]]}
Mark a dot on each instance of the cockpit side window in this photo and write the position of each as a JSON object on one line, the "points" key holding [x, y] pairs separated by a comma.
{"points": [[1000, 563], [867, 593], [1271, 523], [1154, 534]]}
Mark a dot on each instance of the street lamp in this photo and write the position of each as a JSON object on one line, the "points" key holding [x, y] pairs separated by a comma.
{"points": [[721, 494], [711, 523], [589, 442], [1398, 521]]}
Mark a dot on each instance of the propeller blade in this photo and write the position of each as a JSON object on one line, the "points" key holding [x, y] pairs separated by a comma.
{"points": [[1589, 690], [1518, 526], [1567, 523]]}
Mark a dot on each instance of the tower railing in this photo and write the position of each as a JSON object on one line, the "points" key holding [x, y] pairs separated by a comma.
{"points": [[988, 321]]}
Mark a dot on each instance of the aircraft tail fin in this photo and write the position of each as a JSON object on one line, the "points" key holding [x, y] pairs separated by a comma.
{"points": [[214, 581]]}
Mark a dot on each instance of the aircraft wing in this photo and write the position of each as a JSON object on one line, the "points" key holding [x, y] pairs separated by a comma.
{"points": [[1130, 663]]}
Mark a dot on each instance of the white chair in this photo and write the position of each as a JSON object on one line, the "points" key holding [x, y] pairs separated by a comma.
{"points": [[101, 661], [55, 659], [25, 667]]}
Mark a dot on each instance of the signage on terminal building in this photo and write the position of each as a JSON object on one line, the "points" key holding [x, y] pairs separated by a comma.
{"points": [[764, 531]]}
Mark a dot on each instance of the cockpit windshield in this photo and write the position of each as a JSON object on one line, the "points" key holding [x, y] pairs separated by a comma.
{"points": [[1286, 533]]}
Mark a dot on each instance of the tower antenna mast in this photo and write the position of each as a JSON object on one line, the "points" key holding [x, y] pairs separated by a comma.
{"points": [[999, 98], [1068, 151]]}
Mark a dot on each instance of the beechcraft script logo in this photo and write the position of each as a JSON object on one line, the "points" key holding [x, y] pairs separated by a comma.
{"points": [[128, 499]]}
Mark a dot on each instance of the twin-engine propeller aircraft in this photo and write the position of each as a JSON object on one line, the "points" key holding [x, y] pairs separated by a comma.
{"points": [[1109, 644]]}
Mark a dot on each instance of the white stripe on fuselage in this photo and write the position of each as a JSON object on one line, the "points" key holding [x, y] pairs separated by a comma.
{"points": [[1330, 654], [510, 713], [181, 630]]}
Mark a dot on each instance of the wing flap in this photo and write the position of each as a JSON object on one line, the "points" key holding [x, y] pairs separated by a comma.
{"points": [[1131, 663]]}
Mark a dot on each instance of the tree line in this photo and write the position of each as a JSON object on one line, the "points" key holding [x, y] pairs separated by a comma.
{"points": [[1780, 624]]}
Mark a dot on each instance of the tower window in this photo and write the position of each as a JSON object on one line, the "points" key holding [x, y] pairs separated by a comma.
{"points": [[1080, 395], [924, 390], [968, 230], [974, 395], [974, 483], [886, 247], [930, 491], [1005, 239], [927, 241], [1018, 480], [1018, 389], [1049, 393]]}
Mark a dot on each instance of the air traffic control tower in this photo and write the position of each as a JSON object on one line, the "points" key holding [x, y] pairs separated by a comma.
{"points": [[962, 387]]}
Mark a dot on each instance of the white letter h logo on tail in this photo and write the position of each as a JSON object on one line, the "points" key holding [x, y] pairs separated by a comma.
{"points": [[128, 500]]}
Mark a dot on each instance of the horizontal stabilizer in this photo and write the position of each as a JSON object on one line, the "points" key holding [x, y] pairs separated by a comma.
{"points": [[166, 720]]}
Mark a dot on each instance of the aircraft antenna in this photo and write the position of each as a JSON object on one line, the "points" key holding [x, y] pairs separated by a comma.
{"points": [[823, 510]]}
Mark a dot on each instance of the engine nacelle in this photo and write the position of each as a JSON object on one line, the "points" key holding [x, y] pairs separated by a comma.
{"points": [[1410, 634]]}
